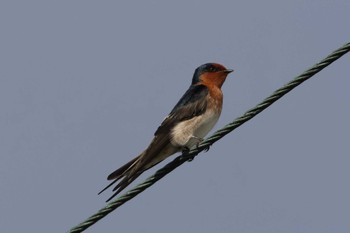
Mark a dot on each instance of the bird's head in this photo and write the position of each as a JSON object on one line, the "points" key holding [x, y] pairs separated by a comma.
{"points": [[210, 73]]}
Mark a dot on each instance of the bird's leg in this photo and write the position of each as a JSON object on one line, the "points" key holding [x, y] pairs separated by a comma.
{"points": [[198, 141], [193, 140]]}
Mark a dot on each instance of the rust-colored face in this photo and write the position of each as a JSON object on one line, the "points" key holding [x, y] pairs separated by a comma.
{"points": [[214, 74]]}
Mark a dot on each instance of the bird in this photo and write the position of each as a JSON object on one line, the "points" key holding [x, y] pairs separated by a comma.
{"points": [[194, 115]]}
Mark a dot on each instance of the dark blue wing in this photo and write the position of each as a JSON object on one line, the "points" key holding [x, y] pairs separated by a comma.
{"points": [[192, 103]]}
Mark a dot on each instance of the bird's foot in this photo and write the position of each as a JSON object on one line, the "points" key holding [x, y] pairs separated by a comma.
{"points": [[185, 151], [206, 148]]}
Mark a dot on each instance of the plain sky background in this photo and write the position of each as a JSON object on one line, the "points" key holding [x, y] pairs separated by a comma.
{"points": [[84, 85]]}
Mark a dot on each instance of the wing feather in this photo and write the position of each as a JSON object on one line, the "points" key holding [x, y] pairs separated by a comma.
{"points": [[193, 103]]}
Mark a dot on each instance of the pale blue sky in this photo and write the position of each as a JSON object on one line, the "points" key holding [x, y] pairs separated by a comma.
{"points": [[84, 85]]}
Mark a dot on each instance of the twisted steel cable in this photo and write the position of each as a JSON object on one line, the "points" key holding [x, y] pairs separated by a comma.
{"points": [[212, 139]]}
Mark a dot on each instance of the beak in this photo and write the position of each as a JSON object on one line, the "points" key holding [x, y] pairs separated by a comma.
{"points": [[227, 71]]}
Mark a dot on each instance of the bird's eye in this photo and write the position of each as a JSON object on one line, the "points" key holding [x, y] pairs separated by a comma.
{"points": [[212, 69]]}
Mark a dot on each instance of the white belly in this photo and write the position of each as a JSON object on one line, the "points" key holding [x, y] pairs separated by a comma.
{"points": [[196, 127]]}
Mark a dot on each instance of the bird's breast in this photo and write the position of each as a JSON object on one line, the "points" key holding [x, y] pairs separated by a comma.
{"points": [[198, 126]]}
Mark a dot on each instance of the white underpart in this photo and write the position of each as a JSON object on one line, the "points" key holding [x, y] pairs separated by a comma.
{"points": [[185, 133]]}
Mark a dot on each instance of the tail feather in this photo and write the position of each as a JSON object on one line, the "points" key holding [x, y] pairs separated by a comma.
{"points": [[113, 182], [159, 149], [122, 185], [119, 173], [131, 174]]}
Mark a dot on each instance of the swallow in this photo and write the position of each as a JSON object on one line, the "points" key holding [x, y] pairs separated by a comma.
{"points": [[187, 124]]}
